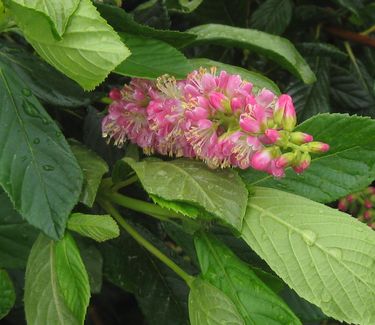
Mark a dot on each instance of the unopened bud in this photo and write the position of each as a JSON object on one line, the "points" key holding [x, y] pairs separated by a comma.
{"points": [[115, 94], [316, 147], [285, 160], [302, 163], [300, 137]]}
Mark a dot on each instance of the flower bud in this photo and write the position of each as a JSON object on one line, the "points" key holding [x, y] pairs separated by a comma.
{"points": [[302, 163], [271, 136], [284, 113], [115, 94], [316, 147], [216, 100], [300, 137], [261, 160], [343, 205], [285, 160]]}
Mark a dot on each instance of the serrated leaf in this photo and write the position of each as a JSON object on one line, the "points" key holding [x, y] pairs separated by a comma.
{"points": [[44, 301], [88, 50], [7, 294], [121, 21], [323, 254], [310, 100], [46, 83], [210, 306], [256, 303], [37, 168], [272, 16], [274, 47], [257, 79], [315, 49], [134, 269], [72, 277], [179, 207], [152, 58], [16, 236], [219, 192], [347, 167], [97, 227], [58, 12], [93, 168], [153, 13]]}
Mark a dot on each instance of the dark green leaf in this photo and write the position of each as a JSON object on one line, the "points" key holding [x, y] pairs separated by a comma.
{"points": [[210, 306], [257, 79], [183, 6], [7, 294], [316, 250], [274, 47], [89, 49], [272, 16], [152, 58], [93, 168], [72, 277], [97, 227], [315, 49], [16, 236], [37, 168], [254, 300], [352, 5], [347, 167], [124, 22], [161, 294], [45, 82], [153, 13], [219, 192], [310, 100]]}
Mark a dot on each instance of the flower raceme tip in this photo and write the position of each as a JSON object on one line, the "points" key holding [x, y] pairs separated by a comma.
{"points": [[216, 117]]}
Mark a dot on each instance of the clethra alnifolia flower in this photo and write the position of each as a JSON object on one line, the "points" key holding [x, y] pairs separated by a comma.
{"points": [[218, 118]]}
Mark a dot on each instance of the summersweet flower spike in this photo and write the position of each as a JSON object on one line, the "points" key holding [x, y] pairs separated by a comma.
{"points": [[218, 118]]}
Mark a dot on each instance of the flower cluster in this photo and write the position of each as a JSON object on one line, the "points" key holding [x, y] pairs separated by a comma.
{"points": [[218, 118], [360, 205]]}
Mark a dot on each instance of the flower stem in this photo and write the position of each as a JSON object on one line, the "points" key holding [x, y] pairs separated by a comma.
{"points": [[140, 206], [124, 183], [143, 242]]}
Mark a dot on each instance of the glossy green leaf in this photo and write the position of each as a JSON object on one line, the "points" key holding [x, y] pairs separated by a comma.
{"points": [[323, 254], [37, 168], [257, 79], [7, 294], [97, 227], [310, 100], [161, 293], [274, 47], [152, 58], [45, 82], [93, 168], [58, 12], [257, 303], [122, 21], [72, 277], [16, 236], [210, 306], [272, 16], [219, 192], [88, 50], [44, 301], [347, 167]]}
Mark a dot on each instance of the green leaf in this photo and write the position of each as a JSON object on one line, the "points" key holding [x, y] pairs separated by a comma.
{"points": [[183, 6], [274, 47], [179, 207], [257, 303], [45, 82], [72, 277], [210, 306], [134, 269], [37, 168], [44, 298], [272, 16], [257, 79], [310, 100], [121, 21], [58, 12], [352, 5], [16, 236], [7, 294], [93, 168], [347, 167], [219, 192], [97, 227], [153, 13], [314, 49], [88, 51], [152, 58], [323, 254]]}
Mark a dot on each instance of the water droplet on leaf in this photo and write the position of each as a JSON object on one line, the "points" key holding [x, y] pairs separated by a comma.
{"points": [[326, 296], [48, 168], [309, 237], [36, 141], [336, 252], [26, 92]]}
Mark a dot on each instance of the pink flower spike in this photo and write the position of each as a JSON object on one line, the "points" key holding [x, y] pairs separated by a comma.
{"points": [[115, 94], [196, 114], [208, 82], [216, 99]]}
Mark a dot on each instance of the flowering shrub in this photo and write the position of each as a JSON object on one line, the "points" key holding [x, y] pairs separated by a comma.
{"points": [[152, 170]]}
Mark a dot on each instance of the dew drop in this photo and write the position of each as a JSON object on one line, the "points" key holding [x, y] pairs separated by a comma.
{"points": [[336, 252], [30, 109], [161, 173], [326, 296], [36, 141], [26, 92], [309, 237], [48, 168]]}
